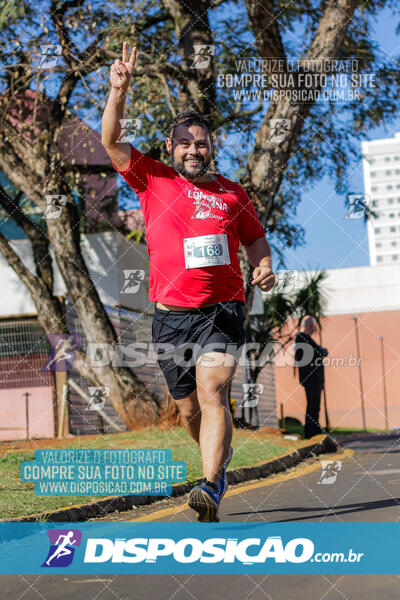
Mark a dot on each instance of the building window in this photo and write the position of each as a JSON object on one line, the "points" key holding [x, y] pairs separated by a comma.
{"points": [[374, 203], [395, 256], [378, 245], [396, 158], [394, 243], [377, 230], [374, 188], [391, 215], [393, 229], [389, 187], [390, 200], [379, 258], [373, 173], [388, 172]]}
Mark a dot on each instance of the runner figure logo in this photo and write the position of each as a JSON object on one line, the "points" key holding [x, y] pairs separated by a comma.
{"points": [[133, 279], [278, 130], [251, 394], [50, 53], [62, 547], [129, 129], [98, 397], [357, 205], [54, 206], [202, 56], [330, 470], [62, 351]]}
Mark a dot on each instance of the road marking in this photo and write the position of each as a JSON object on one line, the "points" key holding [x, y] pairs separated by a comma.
{"points": [[299, 471], [381, 472]]}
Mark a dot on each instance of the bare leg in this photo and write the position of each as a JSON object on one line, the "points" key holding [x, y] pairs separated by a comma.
{"points": [[214, 373], [191, 414]]}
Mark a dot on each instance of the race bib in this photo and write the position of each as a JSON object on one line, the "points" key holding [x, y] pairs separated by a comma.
{"points": [[206, 251]]}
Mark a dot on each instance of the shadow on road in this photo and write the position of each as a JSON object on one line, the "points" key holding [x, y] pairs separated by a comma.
{"points": [[341, 510]]}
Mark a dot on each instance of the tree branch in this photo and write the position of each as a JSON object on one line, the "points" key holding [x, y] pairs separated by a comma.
{"points": [[47, 306], [268, 161]]}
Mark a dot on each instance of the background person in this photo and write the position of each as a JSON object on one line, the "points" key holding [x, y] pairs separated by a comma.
{"points": [[311, 374]]}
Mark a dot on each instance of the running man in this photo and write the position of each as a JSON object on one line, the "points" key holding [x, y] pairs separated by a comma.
{"points": [[194, 222], [62, 542]]}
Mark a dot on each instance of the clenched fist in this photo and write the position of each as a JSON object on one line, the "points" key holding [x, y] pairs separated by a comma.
{"points": [[264, 278], [122, 71]]}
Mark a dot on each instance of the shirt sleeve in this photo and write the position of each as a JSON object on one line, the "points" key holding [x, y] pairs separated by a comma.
{"points": [[249, 228], [138, 171]]}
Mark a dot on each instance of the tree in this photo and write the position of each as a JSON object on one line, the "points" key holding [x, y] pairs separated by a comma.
{"points": [[171, 34]]}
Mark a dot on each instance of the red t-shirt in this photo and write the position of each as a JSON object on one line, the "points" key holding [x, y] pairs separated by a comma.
{"points": [[175, 209]]}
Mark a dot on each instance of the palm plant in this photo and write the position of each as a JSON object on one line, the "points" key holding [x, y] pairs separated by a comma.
{"points": [[265, 332]]}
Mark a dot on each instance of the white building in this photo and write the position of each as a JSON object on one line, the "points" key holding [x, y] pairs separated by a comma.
{"points": [[381, 169]]}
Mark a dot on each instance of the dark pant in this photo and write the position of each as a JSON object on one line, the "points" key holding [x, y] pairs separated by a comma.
{"points": [[313, 394]]}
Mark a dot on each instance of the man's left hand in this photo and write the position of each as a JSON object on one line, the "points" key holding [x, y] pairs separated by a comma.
{"points": [[264, 278]]}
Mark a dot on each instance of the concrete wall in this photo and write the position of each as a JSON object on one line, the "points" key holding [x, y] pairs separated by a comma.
{"points": [[372, 294], [13, 413], [357, 289]]}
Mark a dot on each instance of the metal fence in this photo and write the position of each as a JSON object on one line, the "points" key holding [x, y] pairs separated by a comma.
{"points": [[24, 351]]}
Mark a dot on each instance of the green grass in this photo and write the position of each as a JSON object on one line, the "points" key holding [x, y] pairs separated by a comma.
{"points": [[18, 498]]}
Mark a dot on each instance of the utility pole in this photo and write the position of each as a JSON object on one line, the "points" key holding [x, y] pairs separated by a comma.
{"points": [[360, 372]]}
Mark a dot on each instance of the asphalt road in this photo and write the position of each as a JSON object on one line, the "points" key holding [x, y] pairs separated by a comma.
{"points": [[367, 488]]}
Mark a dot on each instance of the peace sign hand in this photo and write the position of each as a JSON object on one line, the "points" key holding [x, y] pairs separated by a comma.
{"points": [[122, 71]]}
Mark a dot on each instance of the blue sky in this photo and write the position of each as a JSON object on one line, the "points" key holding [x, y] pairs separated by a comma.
{"points": [[331, 240]]}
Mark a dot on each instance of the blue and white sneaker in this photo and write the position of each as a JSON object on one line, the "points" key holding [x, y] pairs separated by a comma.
{"points": [[223, 482], [204, 499]]}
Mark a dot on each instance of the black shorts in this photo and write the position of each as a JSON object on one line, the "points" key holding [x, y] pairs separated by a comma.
{"points": [[181, 337]]}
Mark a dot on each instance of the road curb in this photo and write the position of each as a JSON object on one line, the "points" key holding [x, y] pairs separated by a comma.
{"points": [[82, 512], [342, 438]]}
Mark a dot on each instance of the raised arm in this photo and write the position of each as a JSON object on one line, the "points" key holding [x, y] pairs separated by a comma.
{"points": [[120, 79]]}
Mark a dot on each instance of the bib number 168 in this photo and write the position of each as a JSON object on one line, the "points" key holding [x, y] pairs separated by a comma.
{"points": [[208, 250]]}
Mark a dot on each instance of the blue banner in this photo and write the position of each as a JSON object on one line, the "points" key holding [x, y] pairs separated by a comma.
{"points": [[213, 548]]}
